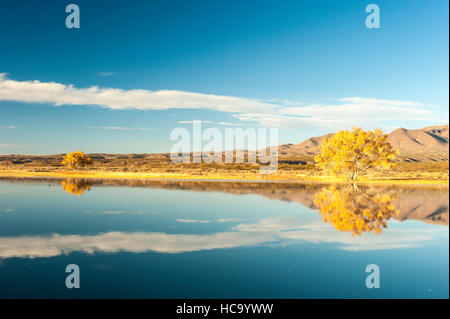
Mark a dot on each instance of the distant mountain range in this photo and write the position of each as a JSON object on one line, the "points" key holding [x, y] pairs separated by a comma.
{"points": [[429, 143]]}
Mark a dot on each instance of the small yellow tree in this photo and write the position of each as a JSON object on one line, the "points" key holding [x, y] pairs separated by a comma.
{"points": [[354, 152], [76, 160]]}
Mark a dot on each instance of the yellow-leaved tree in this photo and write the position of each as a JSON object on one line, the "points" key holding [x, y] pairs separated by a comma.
{"points": [[354, 152], [76, 160], [349, 209], [76, 187]]}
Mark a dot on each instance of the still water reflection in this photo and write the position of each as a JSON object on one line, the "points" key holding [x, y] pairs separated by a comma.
{"points": [[351, 210], [227, 239], [76, 186]]}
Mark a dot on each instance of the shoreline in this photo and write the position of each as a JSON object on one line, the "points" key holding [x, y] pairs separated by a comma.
{"points": [[216, 178]]}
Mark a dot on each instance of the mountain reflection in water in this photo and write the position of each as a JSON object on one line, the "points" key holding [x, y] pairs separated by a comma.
{"points": [[133, 238], [349, 208]]}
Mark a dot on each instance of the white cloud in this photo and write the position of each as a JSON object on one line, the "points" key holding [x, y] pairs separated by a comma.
{"points": [[189, 221], [401, 238], [120, 212], [279, 223], [230, 220], [283, 229], [363, 108], [106, 74], [290, 122], [123, 128], [61, 94], [191, 122], [210, 122], [228, 124], [363, 100], [54, 245], [345, 113], [7, 126]]}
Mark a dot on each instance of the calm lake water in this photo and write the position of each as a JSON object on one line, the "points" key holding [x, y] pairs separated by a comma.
{"points": [[172, 239]]}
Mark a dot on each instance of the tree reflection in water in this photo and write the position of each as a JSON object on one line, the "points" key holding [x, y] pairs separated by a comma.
{"points": [[350, 209], [76, 186]]}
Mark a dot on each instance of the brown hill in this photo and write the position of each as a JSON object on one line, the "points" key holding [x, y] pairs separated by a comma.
{"points": [[429, 143], [310, 147]]}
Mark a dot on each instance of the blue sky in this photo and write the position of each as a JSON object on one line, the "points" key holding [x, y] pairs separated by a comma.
{"points": [[306, 67]]}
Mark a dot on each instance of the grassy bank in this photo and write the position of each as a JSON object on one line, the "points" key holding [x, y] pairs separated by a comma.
{"points": [[160, 167], [227, 176]]}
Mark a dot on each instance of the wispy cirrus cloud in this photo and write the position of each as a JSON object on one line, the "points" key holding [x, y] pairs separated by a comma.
{"points": [[274, 231], [228, 124], [346, 113], [124, 128], [284, 114], [190, 221], [8, 126], [211, 122], [118, 99], [120, 212], [106, 74], [191, 122]]}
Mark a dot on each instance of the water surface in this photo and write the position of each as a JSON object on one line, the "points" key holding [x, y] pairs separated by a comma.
{"points": [[172, 239]]}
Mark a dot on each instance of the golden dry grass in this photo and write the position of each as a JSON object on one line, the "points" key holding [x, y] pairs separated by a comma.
{"points": [[159, 167]]}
